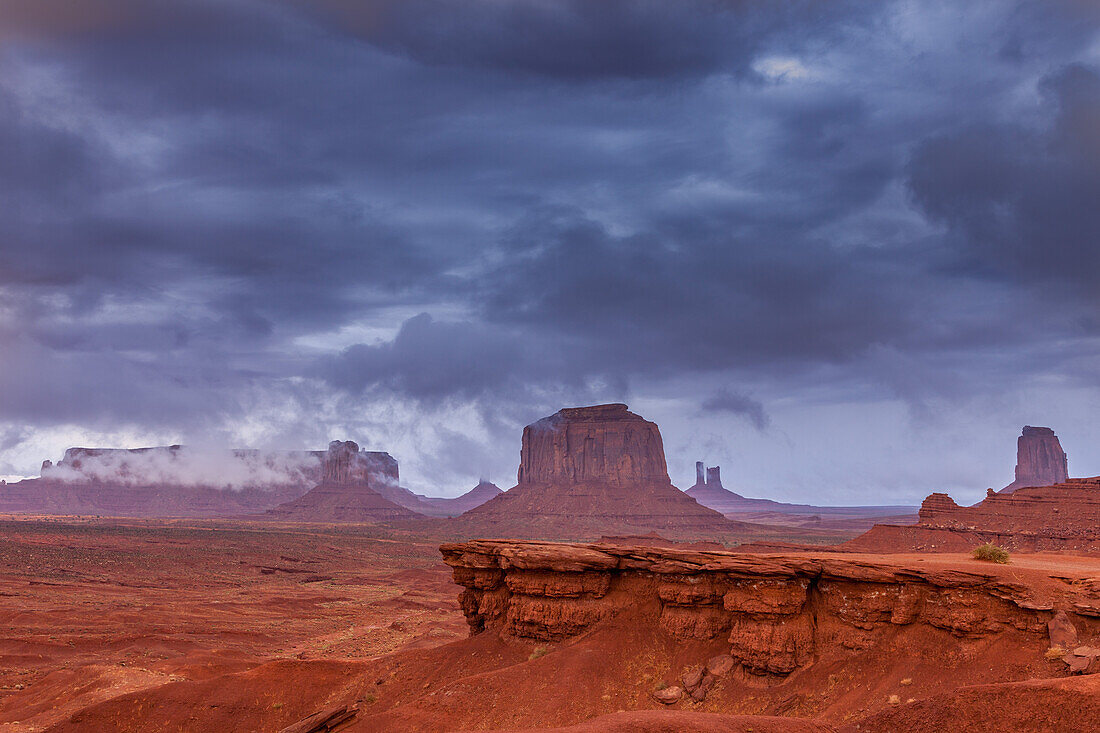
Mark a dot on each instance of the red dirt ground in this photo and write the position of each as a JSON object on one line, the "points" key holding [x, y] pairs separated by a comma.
{"points": [[94, 610], [134, 625]]}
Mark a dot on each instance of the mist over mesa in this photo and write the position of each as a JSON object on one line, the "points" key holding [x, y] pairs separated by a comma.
{"points": [[844, 250]]}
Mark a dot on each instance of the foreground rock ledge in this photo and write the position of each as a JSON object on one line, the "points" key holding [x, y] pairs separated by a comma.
{"points": [[778, 612]]}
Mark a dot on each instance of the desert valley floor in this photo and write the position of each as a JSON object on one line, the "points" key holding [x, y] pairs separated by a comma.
{"points": [[162, 625]]}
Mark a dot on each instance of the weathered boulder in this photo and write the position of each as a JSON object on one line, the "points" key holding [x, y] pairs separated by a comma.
{"points": [[720, 665], [668, 695], [692, 677], [1062, 633]]}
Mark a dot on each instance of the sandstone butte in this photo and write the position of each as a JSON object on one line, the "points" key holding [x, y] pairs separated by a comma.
{"points": [[589, 471], [349, 489], [1040, 460]]}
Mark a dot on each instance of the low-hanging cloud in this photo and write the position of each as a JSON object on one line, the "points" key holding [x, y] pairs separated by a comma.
{"points": [[189, 467]]}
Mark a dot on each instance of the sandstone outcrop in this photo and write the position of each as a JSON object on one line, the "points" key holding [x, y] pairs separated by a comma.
{"points": [[589, 471], [1063, 516], [777, 613], [350, 489], [1040, 460]]}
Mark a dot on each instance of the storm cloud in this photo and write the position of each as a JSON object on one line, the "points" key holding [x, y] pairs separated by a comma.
{"points": [[424, 224]]}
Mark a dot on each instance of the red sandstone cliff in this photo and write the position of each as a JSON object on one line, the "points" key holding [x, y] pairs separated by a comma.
{"points": [[590, 471], [1040, 460], [779, 614]]}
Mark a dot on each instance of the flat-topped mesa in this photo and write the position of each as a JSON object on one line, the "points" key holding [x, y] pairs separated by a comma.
{"points": [[1040, 460], [603, 443]]}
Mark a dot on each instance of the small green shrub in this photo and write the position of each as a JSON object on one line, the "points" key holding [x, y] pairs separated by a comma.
{"points": [[370, 698], [990, 553], [540, 651]]}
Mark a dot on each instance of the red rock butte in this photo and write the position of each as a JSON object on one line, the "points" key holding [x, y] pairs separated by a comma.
{"points": [[349, 489], [589, 471], [1040, 460]]}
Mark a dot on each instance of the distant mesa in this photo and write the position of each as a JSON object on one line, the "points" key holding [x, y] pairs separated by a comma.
{"points": [[351, 488], [160, 481], [586, 472], [178, 481], [708, 491], [475, 497], [1040, 460]]}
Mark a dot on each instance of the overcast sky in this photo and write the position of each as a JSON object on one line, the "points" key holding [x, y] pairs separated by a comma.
{"points": [[844, 249]]}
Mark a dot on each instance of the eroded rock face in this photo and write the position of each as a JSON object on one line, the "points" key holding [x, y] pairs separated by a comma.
{"points": [[1040, 460], [777, 613], [345, 464], [603, 443], [1064, 516]]}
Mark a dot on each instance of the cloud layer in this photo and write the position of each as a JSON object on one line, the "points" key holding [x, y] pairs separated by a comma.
{"points": [[424, 224]]}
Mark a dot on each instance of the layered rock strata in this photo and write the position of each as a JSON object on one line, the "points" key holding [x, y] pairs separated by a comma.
{"points": [[778, 614], [1064, 516]]}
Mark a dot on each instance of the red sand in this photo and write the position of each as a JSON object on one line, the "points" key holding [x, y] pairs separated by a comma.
{"points": [[232, 626]]}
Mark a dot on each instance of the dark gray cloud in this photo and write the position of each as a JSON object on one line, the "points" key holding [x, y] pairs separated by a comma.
{"points": [[1018, 198], [429, 359], [738, 404], [223, 218], [573, 40]]}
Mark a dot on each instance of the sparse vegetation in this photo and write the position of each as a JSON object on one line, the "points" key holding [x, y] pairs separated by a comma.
{"points": [[661, 686], [1055, 653], [989, 552], [540, 651], [894, 700], [370, 698], [907, 681], [276, 706]]}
